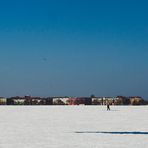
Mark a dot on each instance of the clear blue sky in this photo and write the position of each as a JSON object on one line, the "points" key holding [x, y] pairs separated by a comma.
{"points": [[74, 48]]}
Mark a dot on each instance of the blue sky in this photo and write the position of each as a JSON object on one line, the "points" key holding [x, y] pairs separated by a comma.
{"points": [[74, 48]]}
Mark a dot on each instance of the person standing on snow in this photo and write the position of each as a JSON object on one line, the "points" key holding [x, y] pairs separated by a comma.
{"points": [[108, 106]]}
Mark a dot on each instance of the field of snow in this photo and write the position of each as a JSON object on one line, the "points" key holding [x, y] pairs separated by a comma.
{"points": [[73, 127]]}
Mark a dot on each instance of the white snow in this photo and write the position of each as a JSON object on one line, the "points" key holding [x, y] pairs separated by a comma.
{"points": [[73, 127]]}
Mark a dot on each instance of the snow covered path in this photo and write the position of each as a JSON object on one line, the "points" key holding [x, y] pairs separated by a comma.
{"points": [[73, 127]]}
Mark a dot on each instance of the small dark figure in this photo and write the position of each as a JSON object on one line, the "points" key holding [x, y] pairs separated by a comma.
{"points": [[108, 107]]}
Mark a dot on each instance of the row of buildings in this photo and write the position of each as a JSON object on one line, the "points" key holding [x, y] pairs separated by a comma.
{"points": [[28, 100]]}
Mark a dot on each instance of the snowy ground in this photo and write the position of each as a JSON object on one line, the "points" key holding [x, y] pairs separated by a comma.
{"points": [[73, 127]]}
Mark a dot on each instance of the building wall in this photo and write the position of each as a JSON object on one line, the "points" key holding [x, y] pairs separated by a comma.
{"points": [[3, 101]]}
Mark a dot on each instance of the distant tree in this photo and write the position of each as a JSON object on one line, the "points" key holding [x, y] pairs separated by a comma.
{"points": [[145, 102], [10, 101], [69, 102], [92, 96], [122, 100], [28, 102], [78, 101], [96, 102]]}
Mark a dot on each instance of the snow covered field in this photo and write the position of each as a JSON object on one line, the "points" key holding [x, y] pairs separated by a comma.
{"points": [[73, 127]]}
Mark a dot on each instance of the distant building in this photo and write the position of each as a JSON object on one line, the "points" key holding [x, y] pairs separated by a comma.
{"points": [[79, 101], [122, 100], [110, 100], [28, 100], [97, 101], [3, 101], [60, 100], [136, 100], [103, 100], [16, 101]]}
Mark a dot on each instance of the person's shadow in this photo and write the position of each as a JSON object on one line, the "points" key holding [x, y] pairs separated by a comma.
{"points": [[115, 133]]}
